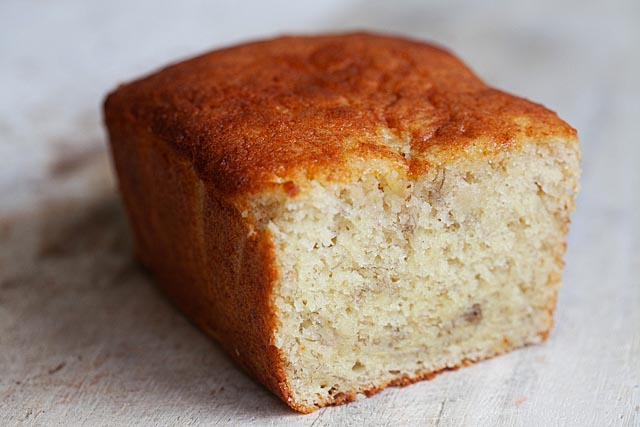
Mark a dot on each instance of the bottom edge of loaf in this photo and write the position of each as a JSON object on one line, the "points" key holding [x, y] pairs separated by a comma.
{"points": [[403, 380]]}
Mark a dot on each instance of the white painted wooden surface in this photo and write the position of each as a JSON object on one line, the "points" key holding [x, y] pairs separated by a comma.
{"points": [[85, 339]]}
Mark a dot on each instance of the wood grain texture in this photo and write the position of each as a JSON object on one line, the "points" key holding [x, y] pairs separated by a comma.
{"points": [[85, 337]]}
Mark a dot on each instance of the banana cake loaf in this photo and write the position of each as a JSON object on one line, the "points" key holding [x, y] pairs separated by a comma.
{"points": [[345, 212]]}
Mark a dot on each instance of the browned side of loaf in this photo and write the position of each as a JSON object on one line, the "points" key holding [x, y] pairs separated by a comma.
{"points": [[200, 250]]}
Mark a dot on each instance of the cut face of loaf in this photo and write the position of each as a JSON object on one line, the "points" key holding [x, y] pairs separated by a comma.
{"points": [[346, 212], [388, 279]]}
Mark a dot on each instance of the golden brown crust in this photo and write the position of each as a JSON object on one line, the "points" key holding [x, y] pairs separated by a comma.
{"points": [[258, 113], [201, 251]]}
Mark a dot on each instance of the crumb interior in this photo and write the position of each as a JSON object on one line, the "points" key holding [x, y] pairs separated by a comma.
{"points": [[388, 277]]}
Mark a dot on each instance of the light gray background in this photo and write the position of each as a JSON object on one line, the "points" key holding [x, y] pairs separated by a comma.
{"points": [[85, 339]]}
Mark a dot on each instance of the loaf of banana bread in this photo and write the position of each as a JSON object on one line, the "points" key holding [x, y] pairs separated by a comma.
{"points": [[346, 212]]}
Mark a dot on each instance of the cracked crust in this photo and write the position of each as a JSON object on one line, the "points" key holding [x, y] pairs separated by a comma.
{"points": [[293, 108]]}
